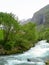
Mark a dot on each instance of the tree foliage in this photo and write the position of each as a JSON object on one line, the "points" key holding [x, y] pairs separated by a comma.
{"points": [[9, 27], [30, 32], [16, 38]]}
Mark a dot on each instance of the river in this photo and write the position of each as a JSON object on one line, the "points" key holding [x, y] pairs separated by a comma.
{"points": [[37, 56]]}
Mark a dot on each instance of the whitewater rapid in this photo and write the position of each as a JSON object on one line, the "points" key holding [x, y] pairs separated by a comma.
{"points": [[38, 55]]}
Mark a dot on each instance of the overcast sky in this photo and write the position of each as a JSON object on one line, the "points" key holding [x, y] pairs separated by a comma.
{"points": [[24, 9]]}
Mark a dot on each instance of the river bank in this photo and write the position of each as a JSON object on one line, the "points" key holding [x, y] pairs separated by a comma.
{"points": [[38, 56], [47, 62], [11, 52]]}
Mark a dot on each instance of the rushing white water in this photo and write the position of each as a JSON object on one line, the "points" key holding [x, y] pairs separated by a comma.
{"points": [[38, 55]]}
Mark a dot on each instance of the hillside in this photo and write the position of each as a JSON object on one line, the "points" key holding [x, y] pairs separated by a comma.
{"points": [[40, 17]]}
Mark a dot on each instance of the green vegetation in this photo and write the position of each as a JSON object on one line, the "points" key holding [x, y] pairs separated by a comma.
{"points": [[1, 34], [44, 34], [47, 62], [30, 32], [16, 38]]}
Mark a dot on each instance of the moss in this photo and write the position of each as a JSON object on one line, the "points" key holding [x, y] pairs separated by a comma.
{"points": [[47, 62]]}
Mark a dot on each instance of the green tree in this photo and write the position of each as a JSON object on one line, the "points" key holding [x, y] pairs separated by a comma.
{"points": [[30, 32], [46, 36], [10, 27]]}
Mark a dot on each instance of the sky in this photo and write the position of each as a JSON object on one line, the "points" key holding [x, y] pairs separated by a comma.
{"points": [[23, 9]]}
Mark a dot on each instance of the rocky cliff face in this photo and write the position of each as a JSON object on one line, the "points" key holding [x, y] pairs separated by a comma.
{"points": [[40, 17]]}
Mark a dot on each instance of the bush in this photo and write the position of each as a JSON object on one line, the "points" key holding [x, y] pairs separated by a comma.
{"points": [[9, 45]]}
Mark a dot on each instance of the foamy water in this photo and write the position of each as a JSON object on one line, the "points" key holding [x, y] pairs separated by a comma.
{"points": [[38, 55]]}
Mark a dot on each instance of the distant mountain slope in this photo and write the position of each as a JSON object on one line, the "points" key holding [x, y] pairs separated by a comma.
{"points": [[40, 17]]}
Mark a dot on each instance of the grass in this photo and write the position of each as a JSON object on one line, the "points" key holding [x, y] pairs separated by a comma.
{"points": [[1, 34]]}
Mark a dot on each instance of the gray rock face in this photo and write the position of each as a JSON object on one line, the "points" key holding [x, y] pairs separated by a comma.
{"points": [[40, 17]]}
